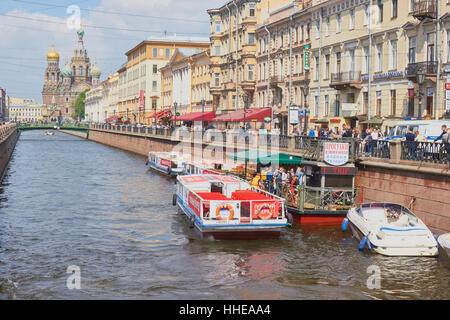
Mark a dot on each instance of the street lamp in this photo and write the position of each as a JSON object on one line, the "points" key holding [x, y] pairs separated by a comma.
{"points": [[420, 76], [203, 114], [305, 90]]}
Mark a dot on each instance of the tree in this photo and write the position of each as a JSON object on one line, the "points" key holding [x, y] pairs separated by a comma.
{"points": [[78, 105]]}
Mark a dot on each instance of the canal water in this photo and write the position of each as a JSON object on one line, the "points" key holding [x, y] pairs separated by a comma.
{"points": [[67, 202]]}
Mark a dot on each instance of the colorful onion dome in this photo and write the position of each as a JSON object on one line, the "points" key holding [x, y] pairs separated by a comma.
{"points": [[66, 71], [80, 32], [52, 54], [95, 71]]}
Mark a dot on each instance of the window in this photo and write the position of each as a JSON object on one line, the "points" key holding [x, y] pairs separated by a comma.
{"points": [[410, 102], [393, 102], [379, 57], [430, 47], [338, 62], [217, 26], [317, 29], [365, 102], [326, 105], [251, 38], [154, 86], [155, 52], [378, 111], [252, 10], [316, 106], [448, 45], [155, 68], [351, 61], [393, 55], [412, 52], [327, 31], [380, 10], [337, 103], [81, 71], [217, 50], [251, 72], [338, 22], [365, 67], [352, 19], [167, 53], [366, 15], [317, 68], [327, 66], [216, 79], [394, 8], [154, 104]]}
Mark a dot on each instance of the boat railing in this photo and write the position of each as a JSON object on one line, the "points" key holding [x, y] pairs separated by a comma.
{"points": [[305, 197]]}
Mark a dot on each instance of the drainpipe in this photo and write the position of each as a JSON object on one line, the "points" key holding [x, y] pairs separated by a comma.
{"points": [[268, 73], [236, 100], [229, 41], [438, 57], [290, 61]]}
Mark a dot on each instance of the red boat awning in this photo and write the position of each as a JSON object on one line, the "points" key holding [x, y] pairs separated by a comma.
{"points": [[251, 115], [196, 116]]}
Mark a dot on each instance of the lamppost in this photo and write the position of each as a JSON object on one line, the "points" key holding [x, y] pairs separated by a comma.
{"points": [[203, 114], [305, 91], [420, 80], [175, 106]]}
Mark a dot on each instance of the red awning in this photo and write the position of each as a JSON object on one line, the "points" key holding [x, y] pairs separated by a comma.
{"points": [[196, 116], [164, 114], [251, 115]]}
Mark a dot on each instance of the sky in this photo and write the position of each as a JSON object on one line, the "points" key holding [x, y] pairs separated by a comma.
{"points": [[28, 28]]}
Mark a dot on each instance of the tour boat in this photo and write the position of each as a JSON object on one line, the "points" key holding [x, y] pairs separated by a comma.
{"points": [[226, 207], [165, 162], [49, 133], [444, 242], [390, 229]]}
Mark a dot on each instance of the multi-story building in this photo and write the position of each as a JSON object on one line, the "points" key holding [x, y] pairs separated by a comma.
{"points": [[140, 78], [111, 97], [3, 105], [25, 110], [284, 42], [233, 50], [94, 104], [185, 82], [366, 61]]}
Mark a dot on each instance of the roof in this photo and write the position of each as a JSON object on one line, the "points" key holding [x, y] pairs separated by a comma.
{"points": [[259, 156]]}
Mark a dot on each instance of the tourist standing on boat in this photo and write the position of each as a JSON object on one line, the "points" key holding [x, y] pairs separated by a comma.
{"points": [[269, 179]]}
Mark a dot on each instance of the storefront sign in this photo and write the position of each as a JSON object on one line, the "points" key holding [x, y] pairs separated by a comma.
{"points": [[293, 114], [141, 100], [335, 154], [306, 57], [349, 107], [340, 171]]}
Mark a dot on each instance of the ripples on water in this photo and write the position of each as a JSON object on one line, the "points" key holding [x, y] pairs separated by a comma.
{"points": [[66, 201]]}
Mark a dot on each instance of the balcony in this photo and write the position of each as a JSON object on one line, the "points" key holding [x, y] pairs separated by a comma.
{"points": [[423, 9], [342, 80], [428, 68], [276, 81]]}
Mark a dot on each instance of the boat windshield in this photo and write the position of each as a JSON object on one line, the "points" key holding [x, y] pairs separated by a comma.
{"points": [[390, 208]]}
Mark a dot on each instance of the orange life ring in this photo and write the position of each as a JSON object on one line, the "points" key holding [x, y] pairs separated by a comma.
{"points": [[224, 207], [264, 212]]}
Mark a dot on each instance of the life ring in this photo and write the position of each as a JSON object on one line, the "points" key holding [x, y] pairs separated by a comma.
{"points": [[224, 207], [264, 212]]}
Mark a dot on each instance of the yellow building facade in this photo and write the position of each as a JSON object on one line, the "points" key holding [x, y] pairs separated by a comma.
{"points": [[140, 80], [233, 51]]}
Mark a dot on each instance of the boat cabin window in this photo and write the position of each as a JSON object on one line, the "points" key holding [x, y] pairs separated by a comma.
{"points": [[217, 187]]}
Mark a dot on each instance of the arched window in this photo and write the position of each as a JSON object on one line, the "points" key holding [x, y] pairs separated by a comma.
{"points": [[53, 77], [81, 71], [74, 73]]}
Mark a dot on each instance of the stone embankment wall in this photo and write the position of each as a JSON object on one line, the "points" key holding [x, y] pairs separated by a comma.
{"points": [[9, 134]]}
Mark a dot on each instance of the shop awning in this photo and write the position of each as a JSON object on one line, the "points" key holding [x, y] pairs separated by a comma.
{"points": [[323, 120], [264, 157], [156, 114], [257, 114], [196, 116]]}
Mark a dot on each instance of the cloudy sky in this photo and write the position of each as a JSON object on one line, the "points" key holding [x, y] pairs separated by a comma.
{"points": [[29, 27]]}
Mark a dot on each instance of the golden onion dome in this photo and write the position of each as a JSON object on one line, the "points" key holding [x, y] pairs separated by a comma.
{"points": [[52, 54]]}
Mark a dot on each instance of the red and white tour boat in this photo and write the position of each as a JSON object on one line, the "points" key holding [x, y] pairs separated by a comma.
{"points": [[226, 207]]}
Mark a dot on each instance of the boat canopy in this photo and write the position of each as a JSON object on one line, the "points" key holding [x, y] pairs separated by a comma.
{"points": [[264, 157]]}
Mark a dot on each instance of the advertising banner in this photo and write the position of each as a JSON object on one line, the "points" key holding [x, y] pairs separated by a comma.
{"points": [[164, 162], [335, 154], [265, 209], [195, 203]]}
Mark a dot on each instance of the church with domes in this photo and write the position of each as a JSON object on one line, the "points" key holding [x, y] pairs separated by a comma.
{"points": [[62, 86]]}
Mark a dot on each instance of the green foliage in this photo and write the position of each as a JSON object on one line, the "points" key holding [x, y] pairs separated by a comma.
{"points": [[78, 105]]}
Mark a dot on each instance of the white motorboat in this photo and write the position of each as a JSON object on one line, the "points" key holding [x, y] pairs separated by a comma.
{"points": [[168, 163], [226, 207], [49, 133], [444, 242], [390, 229]]}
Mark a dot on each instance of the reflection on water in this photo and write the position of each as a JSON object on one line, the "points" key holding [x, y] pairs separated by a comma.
{"points": [[66, 201]]}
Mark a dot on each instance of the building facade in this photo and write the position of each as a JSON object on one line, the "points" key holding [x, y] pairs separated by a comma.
{"points": [[185, 82], [3, 105], [140, 79], [62, 86], [233, 50], [25, 110], [284, 43], [94, 104], [365, 61]]}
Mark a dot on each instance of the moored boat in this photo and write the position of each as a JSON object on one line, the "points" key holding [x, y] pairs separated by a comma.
{"points": [[390, 229], [168, 163], [226, 207], [444, 242]]}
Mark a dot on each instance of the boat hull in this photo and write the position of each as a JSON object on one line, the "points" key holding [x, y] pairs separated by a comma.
{"points": [[231, 232], [325, 217], [390, 250], [172, 172]]}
